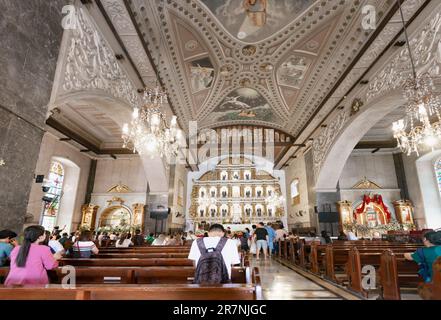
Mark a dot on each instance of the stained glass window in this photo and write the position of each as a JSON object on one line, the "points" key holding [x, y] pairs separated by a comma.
{"points": [[438, 173], [52, 195]]}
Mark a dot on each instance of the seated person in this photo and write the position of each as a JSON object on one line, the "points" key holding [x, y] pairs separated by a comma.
{"points": [[160, 241], [84, 247], [342, 236], [124, 241], [212, 244], [150, 239], [7, 243], [55, 244], [425, 257], [30, 260], [138, 239]]}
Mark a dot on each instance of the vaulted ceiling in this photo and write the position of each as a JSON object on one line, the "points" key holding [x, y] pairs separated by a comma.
{"points": [[223, 65], [282, 64]]}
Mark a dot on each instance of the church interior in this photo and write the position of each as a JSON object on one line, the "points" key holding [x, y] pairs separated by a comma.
{"points": [[320, 119]]}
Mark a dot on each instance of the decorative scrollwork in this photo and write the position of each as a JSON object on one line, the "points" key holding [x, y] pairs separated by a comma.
{"points": [[91, 64]]}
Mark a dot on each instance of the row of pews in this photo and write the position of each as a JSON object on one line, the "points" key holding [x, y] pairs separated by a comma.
{"points": [[141, 273], [342, 262]]}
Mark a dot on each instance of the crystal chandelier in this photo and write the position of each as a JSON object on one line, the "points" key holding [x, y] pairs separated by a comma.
{"points": [[148, 133], [422, 123]]}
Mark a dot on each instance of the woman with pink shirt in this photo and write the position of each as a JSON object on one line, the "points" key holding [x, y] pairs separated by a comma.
{"points": [[30, 261]]}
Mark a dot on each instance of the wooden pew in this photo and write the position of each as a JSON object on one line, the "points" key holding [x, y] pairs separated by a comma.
{"points": [[432, 290], [251, 290], [395, 273], [123, 262], [141, 255]]}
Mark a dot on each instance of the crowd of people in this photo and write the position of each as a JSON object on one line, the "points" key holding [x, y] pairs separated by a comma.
{"points": [[39, 250]]}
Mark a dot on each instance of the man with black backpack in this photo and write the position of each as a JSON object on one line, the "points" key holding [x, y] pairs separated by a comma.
{"points": [[213, 256]]}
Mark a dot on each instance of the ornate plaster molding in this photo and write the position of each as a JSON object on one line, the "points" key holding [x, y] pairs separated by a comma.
{"points": [[90, 63]]}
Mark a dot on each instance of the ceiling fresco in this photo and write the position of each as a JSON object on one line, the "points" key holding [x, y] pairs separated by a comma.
{"points": [[255, 20], [243, 104]]}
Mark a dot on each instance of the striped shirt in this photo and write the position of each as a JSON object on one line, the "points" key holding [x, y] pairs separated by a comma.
{"points": [[85, 247]]}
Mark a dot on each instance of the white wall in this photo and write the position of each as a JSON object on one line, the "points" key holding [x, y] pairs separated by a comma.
{"points": [[128, 171], [74, 191], [378, 168], [297, 170], [429, 189], [180, 175]]}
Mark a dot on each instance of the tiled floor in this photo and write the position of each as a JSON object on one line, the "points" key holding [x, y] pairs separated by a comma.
{"points": [[282, 283]]}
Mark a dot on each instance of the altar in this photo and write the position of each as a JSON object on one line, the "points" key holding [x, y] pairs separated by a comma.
{"points": [[373, 216]]}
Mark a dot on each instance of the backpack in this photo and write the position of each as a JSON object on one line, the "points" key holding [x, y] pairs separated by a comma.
{"points": [[211, 268]]}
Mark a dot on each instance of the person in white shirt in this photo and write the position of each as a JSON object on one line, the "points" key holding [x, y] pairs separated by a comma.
{"points": [[160, 240], [191, 236], [230, 252], [55, 245], [124, 241], [352, 236]]}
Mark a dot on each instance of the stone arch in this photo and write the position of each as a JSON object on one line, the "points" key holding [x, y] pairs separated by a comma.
{"points": [[339, 152]]}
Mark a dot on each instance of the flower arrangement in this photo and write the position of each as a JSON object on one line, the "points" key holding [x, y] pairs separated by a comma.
{"points": [[365, 230]]}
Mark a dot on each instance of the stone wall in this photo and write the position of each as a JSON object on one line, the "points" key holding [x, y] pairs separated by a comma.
{"points": [[30, 37]]}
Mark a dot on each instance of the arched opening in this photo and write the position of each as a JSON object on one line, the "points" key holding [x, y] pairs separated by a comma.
{"points": [[62, 183], [116, 216], [295, 194]]}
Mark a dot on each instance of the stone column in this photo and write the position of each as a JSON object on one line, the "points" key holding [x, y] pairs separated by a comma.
{"points": [[30, 37]]}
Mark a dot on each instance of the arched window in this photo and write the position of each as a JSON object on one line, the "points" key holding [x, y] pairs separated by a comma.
{"points": [[52, 197], [438, 174], [295, 195]]}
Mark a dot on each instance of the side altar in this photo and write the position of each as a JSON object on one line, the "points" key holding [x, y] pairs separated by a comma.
{"points": [[373, 215]]}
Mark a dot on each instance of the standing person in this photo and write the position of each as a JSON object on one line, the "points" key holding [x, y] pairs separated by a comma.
{"points": [[30, 261], [213, 256], [280, 235], [6, 245], [138, 239], [271, 237], [425, 257], [261, 236]]}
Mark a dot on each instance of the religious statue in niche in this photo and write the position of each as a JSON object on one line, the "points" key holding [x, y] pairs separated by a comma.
{"points": [[259, 193], [259, 212], [372, 211]]}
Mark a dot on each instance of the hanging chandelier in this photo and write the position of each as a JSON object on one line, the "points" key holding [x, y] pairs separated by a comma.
{"points": [[148, 133], [421, 126]]}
